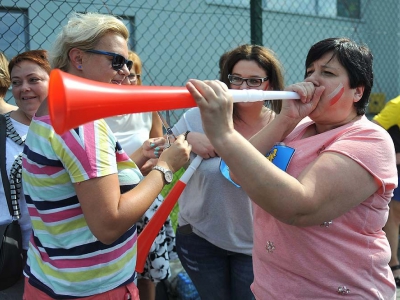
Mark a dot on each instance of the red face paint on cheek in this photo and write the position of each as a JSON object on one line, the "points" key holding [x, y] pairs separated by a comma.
{"points": [[335, 95]]}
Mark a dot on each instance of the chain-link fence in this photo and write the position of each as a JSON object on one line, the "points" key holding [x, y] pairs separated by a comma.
{"points": [[182, 39]]}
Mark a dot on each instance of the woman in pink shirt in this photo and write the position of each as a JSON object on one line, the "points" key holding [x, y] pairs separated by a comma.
{"points": [[319, 210]]}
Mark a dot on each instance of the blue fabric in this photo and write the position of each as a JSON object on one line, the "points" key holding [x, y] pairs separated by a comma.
{"points": [[280, 155], [216, 273], [396, 192]]}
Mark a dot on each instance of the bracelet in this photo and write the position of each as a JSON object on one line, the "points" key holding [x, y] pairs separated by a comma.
{"points": [[186, 134]]}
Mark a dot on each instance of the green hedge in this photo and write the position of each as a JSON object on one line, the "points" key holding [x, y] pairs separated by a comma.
{"points": [[164, 193]]}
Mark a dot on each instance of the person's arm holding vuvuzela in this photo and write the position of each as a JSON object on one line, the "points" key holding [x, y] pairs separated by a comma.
{"points": [[259, 177]]}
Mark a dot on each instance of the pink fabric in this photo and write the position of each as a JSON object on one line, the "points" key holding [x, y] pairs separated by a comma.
{"points": [[126, 292], [350, 253]]}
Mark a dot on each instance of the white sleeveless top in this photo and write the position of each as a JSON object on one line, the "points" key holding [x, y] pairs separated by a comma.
{"points": [[131, 130]]}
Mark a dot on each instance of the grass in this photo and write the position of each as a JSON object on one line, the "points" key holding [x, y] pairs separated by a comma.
{"points": [[164, 193]]}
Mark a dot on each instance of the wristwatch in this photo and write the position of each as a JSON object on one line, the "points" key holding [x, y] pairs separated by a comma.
{"points": [[168, 175]]}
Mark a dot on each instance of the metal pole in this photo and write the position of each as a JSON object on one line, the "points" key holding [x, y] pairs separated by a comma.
{"points": [[256, 21]]}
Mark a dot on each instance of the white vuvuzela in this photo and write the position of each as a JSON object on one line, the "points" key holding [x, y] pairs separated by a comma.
{"points": [[259, 95]]}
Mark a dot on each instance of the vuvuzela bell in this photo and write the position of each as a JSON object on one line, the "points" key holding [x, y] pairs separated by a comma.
{"points": [[74, 100]]}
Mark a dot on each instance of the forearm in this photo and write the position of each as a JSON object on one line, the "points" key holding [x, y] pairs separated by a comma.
{"points": [[156, 128], [134, 203], [139, 158], [109, 213], [268, 186], [266, 138], [273, 133]]}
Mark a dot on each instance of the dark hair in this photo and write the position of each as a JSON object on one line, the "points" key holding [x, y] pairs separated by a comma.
{"points": [[265, 58], [39, 57], [221, 63], [356, 59]]}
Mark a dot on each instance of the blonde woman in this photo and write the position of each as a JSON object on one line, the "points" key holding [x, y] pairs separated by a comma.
{"points": [[84, 193]]}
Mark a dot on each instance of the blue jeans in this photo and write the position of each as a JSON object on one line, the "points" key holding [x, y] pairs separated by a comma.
{"points": [[216, 273]]}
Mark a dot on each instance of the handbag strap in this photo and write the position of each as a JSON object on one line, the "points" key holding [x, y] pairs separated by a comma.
{"points": [[4, 177]]}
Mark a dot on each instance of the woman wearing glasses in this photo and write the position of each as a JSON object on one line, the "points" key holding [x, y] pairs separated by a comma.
{"points": [[215, 235], [318, 226], [131, 131], [84, 194]]}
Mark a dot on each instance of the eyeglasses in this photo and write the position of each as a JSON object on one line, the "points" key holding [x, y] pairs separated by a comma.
{"points": [[133, 77], [118, 61], [252, 82]]}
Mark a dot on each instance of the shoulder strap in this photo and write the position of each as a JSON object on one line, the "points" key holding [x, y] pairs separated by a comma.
{"points": [[4, 177]]}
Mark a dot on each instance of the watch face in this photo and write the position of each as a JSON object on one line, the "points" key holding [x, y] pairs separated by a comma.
{"points": [[169, 176]]}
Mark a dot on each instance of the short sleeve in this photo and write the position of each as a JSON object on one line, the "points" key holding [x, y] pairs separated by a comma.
{"points": [[88, 151], [373, 149]]}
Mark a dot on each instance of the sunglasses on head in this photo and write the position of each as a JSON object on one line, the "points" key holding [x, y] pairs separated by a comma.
{"points": [[118, 61]]}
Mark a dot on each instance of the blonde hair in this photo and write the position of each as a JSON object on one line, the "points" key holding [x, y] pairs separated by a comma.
{"points": [[83, 31], [137, 64], [5, 80]]}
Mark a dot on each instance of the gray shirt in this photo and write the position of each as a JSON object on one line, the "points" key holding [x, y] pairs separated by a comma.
{"points": [[218, 211]]}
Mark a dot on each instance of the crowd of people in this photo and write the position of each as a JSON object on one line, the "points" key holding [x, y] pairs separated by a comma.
{"points": [[318, 223]]}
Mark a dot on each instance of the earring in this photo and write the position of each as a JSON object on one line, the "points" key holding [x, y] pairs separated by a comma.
{"points": [[79, 67]]}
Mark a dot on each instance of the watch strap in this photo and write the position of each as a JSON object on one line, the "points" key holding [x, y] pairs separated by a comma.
{"points": [[165, 173]]}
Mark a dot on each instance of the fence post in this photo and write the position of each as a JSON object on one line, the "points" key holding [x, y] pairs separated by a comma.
{"points": [[256, 21]]}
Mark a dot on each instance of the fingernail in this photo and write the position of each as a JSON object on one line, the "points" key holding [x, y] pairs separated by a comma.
{"points": [[152, 145], [157, 148], [156, 153]]}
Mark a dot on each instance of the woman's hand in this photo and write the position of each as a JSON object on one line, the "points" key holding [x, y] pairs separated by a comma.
{"points": [[201, 145], [309, 98], [177, 155], [153, 147], [216, 106], [148, 166]]}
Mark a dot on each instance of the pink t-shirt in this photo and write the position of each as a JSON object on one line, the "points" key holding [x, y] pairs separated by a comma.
{"points": [[348, 256]]}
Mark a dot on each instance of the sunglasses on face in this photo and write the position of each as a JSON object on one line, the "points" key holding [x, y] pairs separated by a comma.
{"points": [[118, 61]]}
